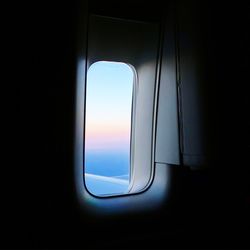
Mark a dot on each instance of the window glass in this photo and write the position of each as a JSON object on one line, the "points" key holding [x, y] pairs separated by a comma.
{"points": [[109, 94]]}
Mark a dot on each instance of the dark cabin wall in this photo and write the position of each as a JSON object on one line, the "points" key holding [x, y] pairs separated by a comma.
{"points": [[38, 187], [207, 207], [192, 80], [213, 55]]}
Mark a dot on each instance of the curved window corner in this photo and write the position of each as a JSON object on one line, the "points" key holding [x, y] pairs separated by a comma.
{"points": [[108, 154]]}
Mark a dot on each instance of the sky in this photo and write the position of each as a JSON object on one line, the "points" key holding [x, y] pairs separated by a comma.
{"points": [[107, 127]]}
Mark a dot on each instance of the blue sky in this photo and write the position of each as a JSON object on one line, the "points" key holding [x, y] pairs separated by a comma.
{"points": [[107, 127]]}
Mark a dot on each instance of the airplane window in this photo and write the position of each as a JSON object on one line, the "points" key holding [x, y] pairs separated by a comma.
{"points": [[108, 125]]}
